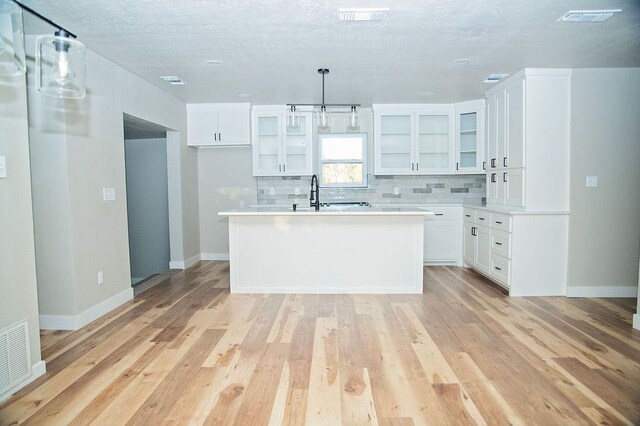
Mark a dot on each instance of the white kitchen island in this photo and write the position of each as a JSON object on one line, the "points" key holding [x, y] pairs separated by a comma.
{"points": [[363, 250]]}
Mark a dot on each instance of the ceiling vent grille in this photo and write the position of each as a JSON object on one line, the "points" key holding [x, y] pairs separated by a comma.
{"points": [[588, 15], [494, 78], [15, 360], [173, 80], [359, 14]]}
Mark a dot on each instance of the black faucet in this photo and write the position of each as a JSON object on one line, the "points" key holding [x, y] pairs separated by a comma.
{"points": [[314, 199]]}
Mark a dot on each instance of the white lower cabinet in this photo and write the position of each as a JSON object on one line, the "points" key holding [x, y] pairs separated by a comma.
{"points": [[442, 239], [525, 252]]}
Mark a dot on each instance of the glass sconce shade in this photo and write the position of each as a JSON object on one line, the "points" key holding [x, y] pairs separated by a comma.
{"points": [[61, 66], [324, 118], [353, 122], [293, 119], [12, 57]]}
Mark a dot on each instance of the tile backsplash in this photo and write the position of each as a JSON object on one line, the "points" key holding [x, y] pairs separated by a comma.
{"points": [[453, 189]]}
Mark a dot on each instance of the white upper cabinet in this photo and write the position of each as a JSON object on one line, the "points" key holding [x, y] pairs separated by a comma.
{"points": [[278, 149], [413, 139], [218, 124], [470, 137]]}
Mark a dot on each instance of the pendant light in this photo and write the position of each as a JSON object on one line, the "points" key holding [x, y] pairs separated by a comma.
{"points": [[61, 66], [293, 119], [323, 115], [353, 122], [12, 56], [61, 60]]}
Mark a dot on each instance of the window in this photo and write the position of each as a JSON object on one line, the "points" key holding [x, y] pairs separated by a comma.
{"points": [[343, 160]]}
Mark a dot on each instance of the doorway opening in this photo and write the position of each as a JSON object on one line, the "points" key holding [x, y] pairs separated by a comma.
{"points": [[145, 146]]}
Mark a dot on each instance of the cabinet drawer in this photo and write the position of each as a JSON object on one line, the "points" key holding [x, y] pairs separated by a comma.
{"points": [[501, 222], [500, 269], [469, 215], [501, 243], [445, 213], [483, 217]]}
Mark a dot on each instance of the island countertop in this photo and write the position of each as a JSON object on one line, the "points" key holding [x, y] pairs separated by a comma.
{"points": [[331, 211]]}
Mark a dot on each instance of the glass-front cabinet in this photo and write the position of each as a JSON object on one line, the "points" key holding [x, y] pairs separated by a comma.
{"points": [[280, 149], [410, 140], [469, 137]]}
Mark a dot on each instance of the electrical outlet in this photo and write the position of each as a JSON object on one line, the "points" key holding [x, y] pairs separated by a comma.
{"points": [[272, 191], [108, 194], [100, 277], [241, 204], [297, 191], [396, 191], [592, 181]]}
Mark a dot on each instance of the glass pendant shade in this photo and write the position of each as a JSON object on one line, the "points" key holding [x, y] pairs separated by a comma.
{"points": [[293, 119], [61, 66], [324, 118], [12, 57], [353, 122]]}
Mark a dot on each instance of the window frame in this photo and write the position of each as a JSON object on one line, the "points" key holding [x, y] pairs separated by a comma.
{"points": [[364, 161]]}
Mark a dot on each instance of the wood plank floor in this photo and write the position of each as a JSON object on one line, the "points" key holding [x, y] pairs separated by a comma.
{"points": [[188, 352]]}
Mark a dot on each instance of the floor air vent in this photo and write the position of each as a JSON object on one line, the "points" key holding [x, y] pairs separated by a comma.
{"points": [[15, 362]]}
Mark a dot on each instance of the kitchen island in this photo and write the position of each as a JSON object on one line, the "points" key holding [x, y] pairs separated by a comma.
{"points": [[357, 250]]}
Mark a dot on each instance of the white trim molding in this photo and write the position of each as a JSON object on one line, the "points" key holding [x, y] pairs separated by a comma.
{"points": [[75, 322], [636, 321], [602, 291], [214, 256], [37, 370], [185, 263]]}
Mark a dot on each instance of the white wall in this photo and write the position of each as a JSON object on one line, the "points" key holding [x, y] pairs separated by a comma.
{"points": [[604, 228], [147, 206], [225, 178], [18, 294], [87, 234]]}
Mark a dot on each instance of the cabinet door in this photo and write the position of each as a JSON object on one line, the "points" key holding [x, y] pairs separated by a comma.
{"points": [[513, 181], [469, 242], [501, 128], [491, 140], [469, 140], [493, 193], [393, 143], [297, 153], [233, 127], [267, 144], [483, 249], [434, 143], [441, 240], [202, 128], [514, 156]]}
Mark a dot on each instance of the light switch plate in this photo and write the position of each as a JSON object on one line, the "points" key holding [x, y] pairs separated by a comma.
{"points": [[108, 194], [3, 166], [592, 181]]}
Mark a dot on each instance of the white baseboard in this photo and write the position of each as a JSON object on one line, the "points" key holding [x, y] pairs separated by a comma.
{"points": [[74, 322], [442, 263], [37, 370], [636, 321], [214, 256], [602, 291], [186, 263]]}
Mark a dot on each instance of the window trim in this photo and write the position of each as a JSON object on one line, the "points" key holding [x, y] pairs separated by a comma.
{"points": [[364, 161]]}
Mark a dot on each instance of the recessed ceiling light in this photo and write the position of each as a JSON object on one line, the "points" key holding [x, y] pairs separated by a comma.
{"points": [[494, 78], [588, 15], [173, 80], [428, 93], [362, 14], [244, 95], [462, 61], [214, 62]]}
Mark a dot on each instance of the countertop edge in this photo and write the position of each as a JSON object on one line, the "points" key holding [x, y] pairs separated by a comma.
{"points": [[516, 212]]}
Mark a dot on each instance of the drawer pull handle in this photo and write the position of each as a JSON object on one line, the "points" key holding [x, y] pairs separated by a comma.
{"points": [[481, 218], [493, 163], [493, 177], [496, 268], [467, 215], [484, 165], [498, 222], [498, 244], [439, 214]]}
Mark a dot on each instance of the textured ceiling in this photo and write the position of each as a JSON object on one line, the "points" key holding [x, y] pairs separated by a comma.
{"points": [[271, 49]]}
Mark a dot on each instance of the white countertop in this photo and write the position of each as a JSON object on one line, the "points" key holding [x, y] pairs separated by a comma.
{"points": [[513, 210], [329, 211]]}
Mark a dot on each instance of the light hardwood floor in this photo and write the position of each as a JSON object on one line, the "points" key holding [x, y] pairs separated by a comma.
{"points": [[186, 351]]}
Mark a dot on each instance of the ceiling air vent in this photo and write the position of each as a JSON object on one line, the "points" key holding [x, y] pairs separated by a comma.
{"points": [[173, 80], [494, 78], [588, 15], [361, 14]]}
